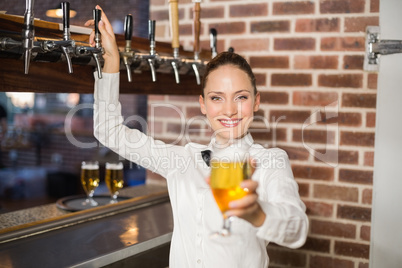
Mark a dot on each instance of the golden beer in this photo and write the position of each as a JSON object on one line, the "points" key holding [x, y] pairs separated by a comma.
{"points": [[114, 177], [225, 182], [89, 177]]}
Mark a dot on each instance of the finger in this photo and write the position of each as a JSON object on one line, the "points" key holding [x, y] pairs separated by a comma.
{"points": [[89, 23], [245, 202], [106, 20], [92, 38], [242, 212], [249, 186]]}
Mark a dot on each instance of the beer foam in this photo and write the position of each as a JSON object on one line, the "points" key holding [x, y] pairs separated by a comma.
{"points": [[90, 166], [115, 166]]}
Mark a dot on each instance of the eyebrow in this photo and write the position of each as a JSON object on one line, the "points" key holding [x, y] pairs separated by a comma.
{"points": [[221, 93]]}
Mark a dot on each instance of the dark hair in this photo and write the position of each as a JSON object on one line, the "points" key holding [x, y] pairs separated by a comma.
{"points": [[228, 58]]}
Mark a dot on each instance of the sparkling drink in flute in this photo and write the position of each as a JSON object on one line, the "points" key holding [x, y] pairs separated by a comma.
{"points": [[114, 179], [90, 180]]}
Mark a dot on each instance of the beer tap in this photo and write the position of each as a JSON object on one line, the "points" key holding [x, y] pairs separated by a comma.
{"points": [[174, 29], [213, 40], [28, 34], [152, 52], [196, 30], [68, 46], [128, 53], [97, 54]]}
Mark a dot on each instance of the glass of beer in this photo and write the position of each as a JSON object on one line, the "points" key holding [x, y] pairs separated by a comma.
{"points": [[90, 180], [225, 179], [114, 179]]}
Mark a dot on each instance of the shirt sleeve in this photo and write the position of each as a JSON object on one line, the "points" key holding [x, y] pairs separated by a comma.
{"points": [[286, 222], [131, 144]]}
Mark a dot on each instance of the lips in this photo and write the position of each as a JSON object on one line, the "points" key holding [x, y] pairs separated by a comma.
{"points": [[229, 122]]}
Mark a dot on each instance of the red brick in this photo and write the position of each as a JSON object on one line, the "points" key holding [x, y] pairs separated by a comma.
{"points": [[273, 97], [304, 189], [349, 194], [257, 44], [357, 138], [192, 112], [372, 80], [312, 98], [260, 79], [333, 229], [286, 116], [212, 12], [269, 62], [352, 249], [317, 25], [317, 245], [341, 80], [291, 80], [370, 119], [293, 8], [353, 62], [268, 135], [343, 44], [316, 62], [162, 111], [159, 15], [337, 156], [356, 176], [248, 10], [359, 100], [342, 119], [328, 262], [314, 136], [270, 26], [365, 233], [295, 153], [286, 258], [175, 128], [342, 6], [229, 27], [369, 159], [374, 5], [363, 265], [367, 197], [315, 173], [294, 43], [359, 24], [319, 209], [354, 213]]}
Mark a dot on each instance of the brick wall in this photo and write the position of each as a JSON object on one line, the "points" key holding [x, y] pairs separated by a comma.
{"points": [[317, 103]]}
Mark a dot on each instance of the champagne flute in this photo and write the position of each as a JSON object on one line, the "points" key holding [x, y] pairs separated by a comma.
{"points": [[225, 180], [114, 179], [90, 181]]}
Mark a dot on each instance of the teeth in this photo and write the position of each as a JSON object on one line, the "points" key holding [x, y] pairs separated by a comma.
{"points": [[232, 122]]}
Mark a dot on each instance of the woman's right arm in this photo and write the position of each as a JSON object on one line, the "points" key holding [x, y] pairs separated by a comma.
{"points": [[108, 121]]}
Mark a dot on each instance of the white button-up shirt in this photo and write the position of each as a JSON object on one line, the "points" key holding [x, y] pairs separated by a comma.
{"points": [[195, 213]]}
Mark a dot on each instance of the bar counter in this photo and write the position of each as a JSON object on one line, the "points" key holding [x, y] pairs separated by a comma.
{"points": [[134, 231]]}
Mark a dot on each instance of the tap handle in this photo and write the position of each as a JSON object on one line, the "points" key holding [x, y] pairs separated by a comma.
{"points": [[151, 35], [197, 27], [213, 40], [174, 25], [65, 6], [97, 17], [151, 30], [128, 27]]}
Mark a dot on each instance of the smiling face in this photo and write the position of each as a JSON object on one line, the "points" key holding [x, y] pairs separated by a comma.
{"points": [[229, 102]]}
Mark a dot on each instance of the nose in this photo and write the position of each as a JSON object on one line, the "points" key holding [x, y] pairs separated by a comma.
{"points": [[231, 108]]}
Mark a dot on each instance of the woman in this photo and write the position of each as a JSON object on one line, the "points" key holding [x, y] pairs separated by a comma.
{"points": [[271, 212]]}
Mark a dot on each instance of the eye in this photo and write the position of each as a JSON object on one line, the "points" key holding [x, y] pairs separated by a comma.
{"points": [[216, 98], [241, 97]]}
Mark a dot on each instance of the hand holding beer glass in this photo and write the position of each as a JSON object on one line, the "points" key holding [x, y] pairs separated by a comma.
{"points": [[227, 173], [90, 180], [114, 179]]}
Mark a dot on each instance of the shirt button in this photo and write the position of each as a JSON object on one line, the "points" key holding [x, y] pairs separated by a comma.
{"points": [[198, 261]]}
